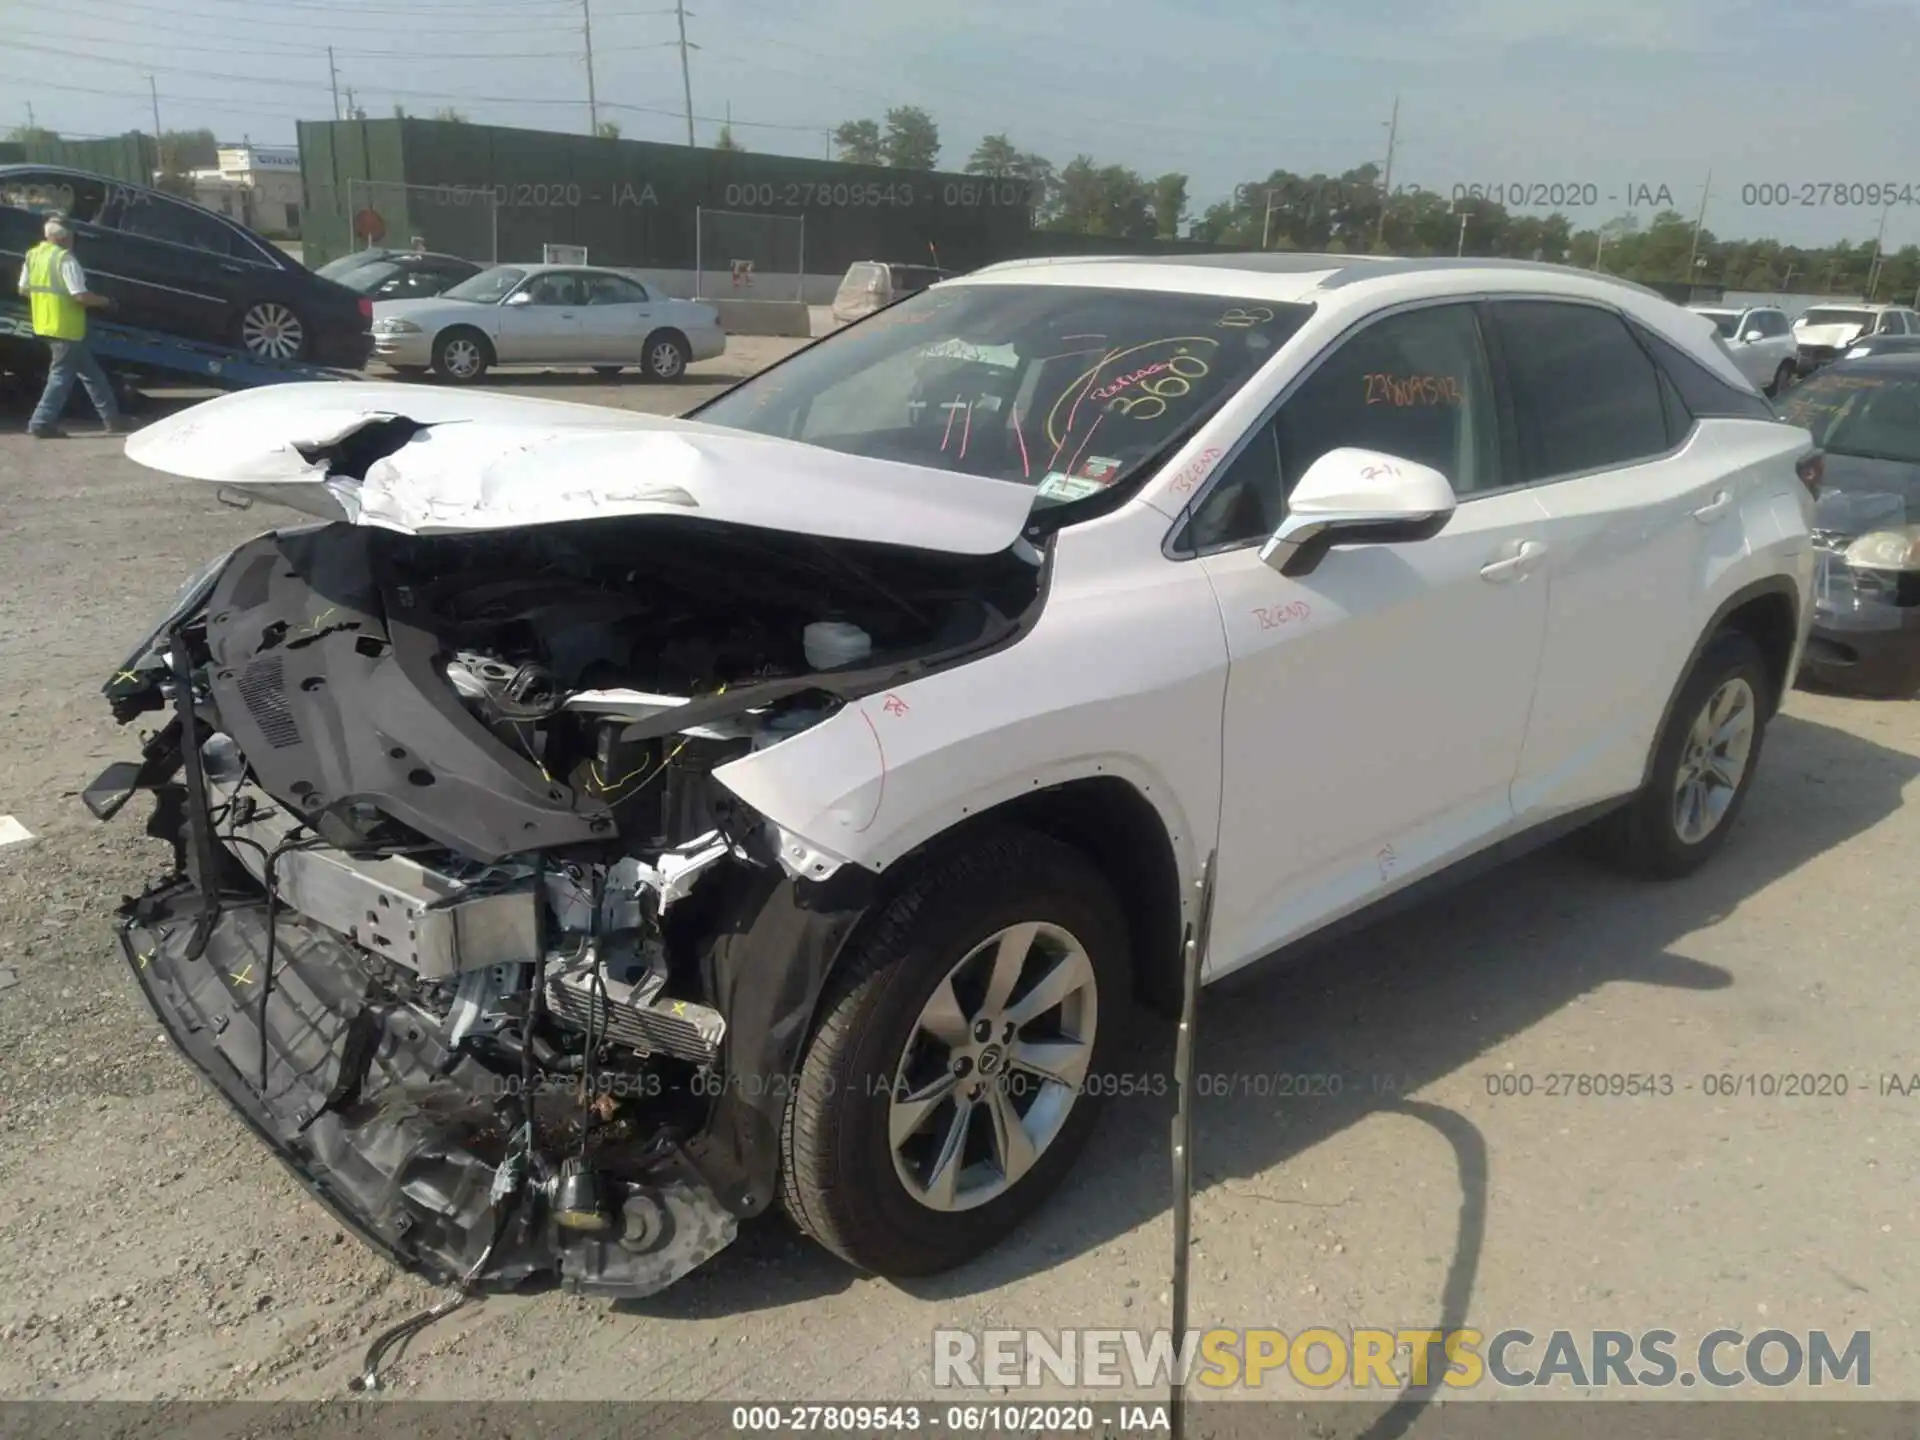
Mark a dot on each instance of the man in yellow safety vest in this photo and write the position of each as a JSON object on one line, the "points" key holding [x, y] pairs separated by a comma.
{"points": [[56, 286]]}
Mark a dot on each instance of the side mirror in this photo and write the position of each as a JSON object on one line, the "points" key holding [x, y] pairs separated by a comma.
{"points": [[1752, 337], [1351, 496], [520, 297]]}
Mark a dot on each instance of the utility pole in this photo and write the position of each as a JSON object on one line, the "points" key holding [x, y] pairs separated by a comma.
{"points": [[352, 114], [333, 77], [1461, 248], [1386, 178], [153, 92], [593, 105], [1693, 251], [31, 125], [1879, 254], [1266, 221], [686, 75]]}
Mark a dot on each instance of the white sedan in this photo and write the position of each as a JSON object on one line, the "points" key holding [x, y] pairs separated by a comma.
{"points": [[546, 315]]}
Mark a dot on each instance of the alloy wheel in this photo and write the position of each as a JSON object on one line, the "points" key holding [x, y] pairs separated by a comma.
{"points": [[461, 357], [993, 1066], [665, 361], [1714, 760], [273, 332]]}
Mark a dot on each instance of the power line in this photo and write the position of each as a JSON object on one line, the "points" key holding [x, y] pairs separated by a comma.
{"points": [[276, 82], [298, 51], [116, 12]]}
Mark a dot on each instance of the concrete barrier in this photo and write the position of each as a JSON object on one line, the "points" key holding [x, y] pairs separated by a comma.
{"points": [[764, 317]]}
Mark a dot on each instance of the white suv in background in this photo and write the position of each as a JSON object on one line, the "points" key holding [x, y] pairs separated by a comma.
{"points": [[830, 771], [1825, 332], [1760, 341]]}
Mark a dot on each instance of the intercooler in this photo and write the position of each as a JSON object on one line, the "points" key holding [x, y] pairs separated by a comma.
{"points": [[636, 1016]]}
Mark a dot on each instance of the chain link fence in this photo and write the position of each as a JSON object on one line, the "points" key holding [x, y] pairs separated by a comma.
{"points": [[743, 255]]}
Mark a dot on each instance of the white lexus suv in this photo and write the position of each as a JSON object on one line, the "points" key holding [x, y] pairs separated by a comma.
{"points": [[602, 827]]}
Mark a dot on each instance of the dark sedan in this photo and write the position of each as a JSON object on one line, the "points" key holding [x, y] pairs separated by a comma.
{"points": [[1865, 416], [176, 267], [399, 274]]}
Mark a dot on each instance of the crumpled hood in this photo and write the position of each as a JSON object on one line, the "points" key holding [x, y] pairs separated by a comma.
{"points": [[489, 462], [1834, 336]]}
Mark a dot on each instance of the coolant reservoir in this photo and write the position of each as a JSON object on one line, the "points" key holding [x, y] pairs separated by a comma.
{"points": [[832, 643]]}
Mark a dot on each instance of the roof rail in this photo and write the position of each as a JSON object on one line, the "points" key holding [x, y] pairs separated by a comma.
{"points": [[1351, 274]]}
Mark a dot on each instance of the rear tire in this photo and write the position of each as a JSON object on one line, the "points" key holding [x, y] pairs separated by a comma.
{"points": [[461, 356], [271, 330], [667, 355], [916, 1188], [1703, 767]]}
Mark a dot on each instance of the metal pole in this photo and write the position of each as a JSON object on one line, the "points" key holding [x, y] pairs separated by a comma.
{"points": [[153, 91], [1386, 180], [593, 105], [1461, 248], [686, 75], [333, 78], [1195, 960], [699, 267], [1693, 251], [1879, 254], [802, 281], [1266, 221]]}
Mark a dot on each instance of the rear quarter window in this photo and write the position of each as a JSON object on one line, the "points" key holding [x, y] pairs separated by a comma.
{"points": [[1704, 393]]}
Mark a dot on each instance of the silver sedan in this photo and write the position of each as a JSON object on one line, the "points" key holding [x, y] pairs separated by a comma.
{"points": [[546, 316]]}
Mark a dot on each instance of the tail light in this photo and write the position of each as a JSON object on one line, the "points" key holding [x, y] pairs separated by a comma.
{"points": [[1812, 469], [366, 308]]}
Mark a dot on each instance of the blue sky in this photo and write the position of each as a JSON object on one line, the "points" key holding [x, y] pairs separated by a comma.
{"points": [[1614, 93]]}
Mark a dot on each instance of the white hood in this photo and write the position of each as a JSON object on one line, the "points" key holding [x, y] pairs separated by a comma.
{"points": [[1837, 336], [492, 462]]}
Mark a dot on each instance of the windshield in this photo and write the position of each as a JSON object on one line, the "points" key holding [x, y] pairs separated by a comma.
{"points": [[1069, 389], [1862, 318], [1727, 322], [1876, 416], [489, 287]]}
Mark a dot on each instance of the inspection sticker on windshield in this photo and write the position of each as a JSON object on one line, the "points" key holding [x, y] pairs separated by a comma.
{"points": [[1060, 486], [1098, 467]]}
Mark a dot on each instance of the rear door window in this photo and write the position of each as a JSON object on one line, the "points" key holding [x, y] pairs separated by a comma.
{"points": [[155, 217], [1586, 396]]}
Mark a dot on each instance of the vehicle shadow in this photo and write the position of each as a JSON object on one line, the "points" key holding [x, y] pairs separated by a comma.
{"points": [[1390, 1009]]}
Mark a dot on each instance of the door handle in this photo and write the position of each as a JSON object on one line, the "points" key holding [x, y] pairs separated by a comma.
{"points": [[1714, 508], [1516, 566]]}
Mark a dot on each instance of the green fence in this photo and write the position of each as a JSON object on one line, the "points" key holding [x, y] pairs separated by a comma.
{"points": [[131, 157], [507, 193]]}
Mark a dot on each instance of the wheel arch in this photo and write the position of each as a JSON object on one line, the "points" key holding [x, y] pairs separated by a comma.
{"points": [[1767, 611], [774, 961], [468, 327]]}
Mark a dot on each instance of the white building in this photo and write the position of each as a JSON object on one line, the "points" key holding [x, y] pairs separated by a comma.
{"points": [[257, 185]]}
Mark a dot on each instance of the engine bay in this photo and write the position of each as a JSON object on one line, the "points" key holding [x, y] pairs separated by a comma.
{"points": [[477, 774]]}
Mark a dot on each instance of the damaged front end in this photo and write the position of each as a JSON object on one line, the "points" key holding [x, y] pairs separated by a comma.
{"points": [[462, 918]]}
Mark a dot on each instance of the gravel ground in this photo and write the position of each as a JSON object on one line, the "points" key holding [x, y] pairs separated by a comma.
{"points": [[150, 1248]]}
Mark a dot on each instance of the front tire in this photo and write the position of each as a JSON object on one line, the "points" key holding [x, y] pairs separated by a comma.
{"points": [[1703, 767], [666, 355], [954, 1073], [461, 356]]}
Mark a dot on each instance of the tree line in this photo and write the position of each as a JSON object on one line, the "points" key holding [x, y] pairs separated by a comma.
{"points": [[1348, 214]]}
